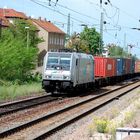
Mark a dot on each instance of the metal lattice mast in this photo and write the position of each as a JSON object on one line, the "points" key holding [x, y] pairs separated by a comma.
{"points": [[68, 26]]}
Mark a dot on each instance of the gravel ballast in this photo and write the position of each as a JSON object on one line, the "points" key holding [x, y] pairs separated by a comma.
{"points": [[80, 130]]}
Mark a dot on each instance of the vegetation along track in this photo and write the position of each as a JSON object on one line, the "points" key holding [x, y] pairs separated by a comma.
{"points": [[50, 123], [15, 106]]}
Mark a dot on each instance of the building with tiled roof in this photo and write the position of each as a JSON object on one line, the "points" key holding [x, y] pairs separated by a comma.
{"points": [[53, 37], [48, 26], [11, 13]]}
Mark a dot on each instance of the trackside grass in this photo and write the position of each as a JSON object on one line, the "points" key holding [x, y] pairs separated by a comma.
{"points": [[16, 91]]}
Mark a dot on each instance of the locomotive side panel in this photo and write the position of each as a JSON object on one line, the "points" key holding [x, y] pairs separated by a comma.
{"points": [[85, 69]]}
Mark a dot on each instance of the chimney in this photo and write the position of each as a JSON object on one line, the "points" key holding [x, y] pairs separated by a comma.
{"points": [[39, 18], [45, 19]]}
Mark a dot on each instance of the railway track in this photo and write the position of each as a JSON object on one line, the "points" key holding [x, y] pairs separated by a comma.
{"points": [[15, 106], [50, 123]]}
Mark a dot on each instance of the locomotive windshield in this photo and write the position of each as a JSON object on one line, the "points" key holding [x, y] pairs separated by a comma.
{"points": [[58, 62]]}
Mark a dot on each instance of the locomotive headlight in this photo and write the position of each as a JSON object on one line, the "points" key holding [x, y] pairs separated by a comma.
{"points": [[48, 76], [66, 77]]}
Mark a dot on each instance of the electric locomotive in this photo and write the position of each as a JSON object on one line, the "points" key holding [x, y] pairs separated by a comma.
{"points": [[65, 71]]}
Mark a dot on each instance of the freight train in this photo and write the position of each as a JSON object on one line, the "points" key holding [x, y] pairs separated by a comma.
{"points": [[68, 71]]}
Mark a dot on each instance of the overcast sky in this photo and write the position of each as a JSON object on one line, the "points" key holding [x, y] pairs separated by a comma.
{"points": [[120, 17]]}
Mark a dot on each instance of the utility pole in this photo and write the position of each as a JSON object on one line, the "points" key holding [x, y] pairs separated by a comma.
{"points": [[101, 30], [68, 27], [124, 43]]}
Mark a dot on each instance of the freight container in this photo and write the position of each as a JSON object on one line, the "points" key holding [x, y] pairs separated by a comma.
{"points": [[120, 66], [137, 66], [132, 66], [127, 65], [105, 67]]}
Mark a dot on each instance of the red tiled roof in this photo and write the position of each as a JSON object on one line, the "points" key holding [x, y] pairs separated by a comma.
{"points": [[48, 26], [11, 13]]}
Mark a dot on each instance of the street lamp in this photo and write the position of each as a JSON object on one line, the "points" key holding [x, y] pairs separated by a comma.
{"points": [[136, 29], [27, 28], [85, 25], [130, 47]]}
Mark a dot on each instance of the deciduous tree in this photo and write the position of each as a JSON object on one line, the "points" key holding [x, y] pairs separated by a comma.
{"points": [[16, 60]]}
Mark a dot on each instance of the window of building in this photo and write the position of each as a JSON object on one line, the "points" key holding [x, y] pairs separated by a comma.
{"points": [[50, 40], [58, 41], [55, 40], [61, 41]]}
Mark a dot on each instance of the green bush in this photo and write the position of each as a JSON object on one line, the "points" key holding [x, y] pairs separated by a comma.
{"points": [[101, 124]]}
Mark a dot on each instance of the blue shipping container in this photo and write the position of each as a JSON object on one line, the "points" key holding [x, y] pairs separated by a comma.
{"points": [[120, 66]]}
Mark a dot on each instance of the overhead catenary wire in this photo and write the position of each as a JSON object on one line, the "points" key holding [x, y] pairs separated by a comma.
{"points": [[115, 25], [77, 20], [57, 11], [120, 40], [113, 36], [65, 7], [117, 8]]}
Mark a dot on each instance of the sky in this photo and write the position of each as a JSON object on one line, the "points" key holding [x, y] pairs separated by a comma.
{"points": [[120, 17]]}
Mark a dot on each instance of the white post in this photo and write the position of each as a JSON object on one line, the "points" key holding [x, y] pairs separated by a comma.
{"points": [[27, 36]]}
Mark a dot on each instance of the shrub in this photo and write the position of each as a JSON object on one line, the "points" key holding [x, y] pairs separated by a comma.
{"points": [[101, 124]]}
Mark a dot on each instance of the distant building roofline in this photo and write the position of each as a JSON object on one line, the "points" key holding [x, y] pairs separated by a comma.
{"points": [[11, 13], [48, 26]]}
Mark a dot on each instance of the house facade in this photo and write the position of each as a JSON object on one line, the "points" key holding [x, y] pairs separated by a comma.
{"points": [[53, 38]]}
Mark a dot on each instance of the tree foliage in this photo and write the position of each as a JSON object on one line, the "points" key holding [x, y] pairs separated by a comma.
{"points": [[16, 60], [116, 51], [87, 41], [77, 44], [92, 37]]}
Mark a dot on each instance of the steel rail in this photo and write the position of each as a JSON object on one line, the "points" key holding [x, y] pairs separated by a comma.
{"points": [[15, 106]]}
